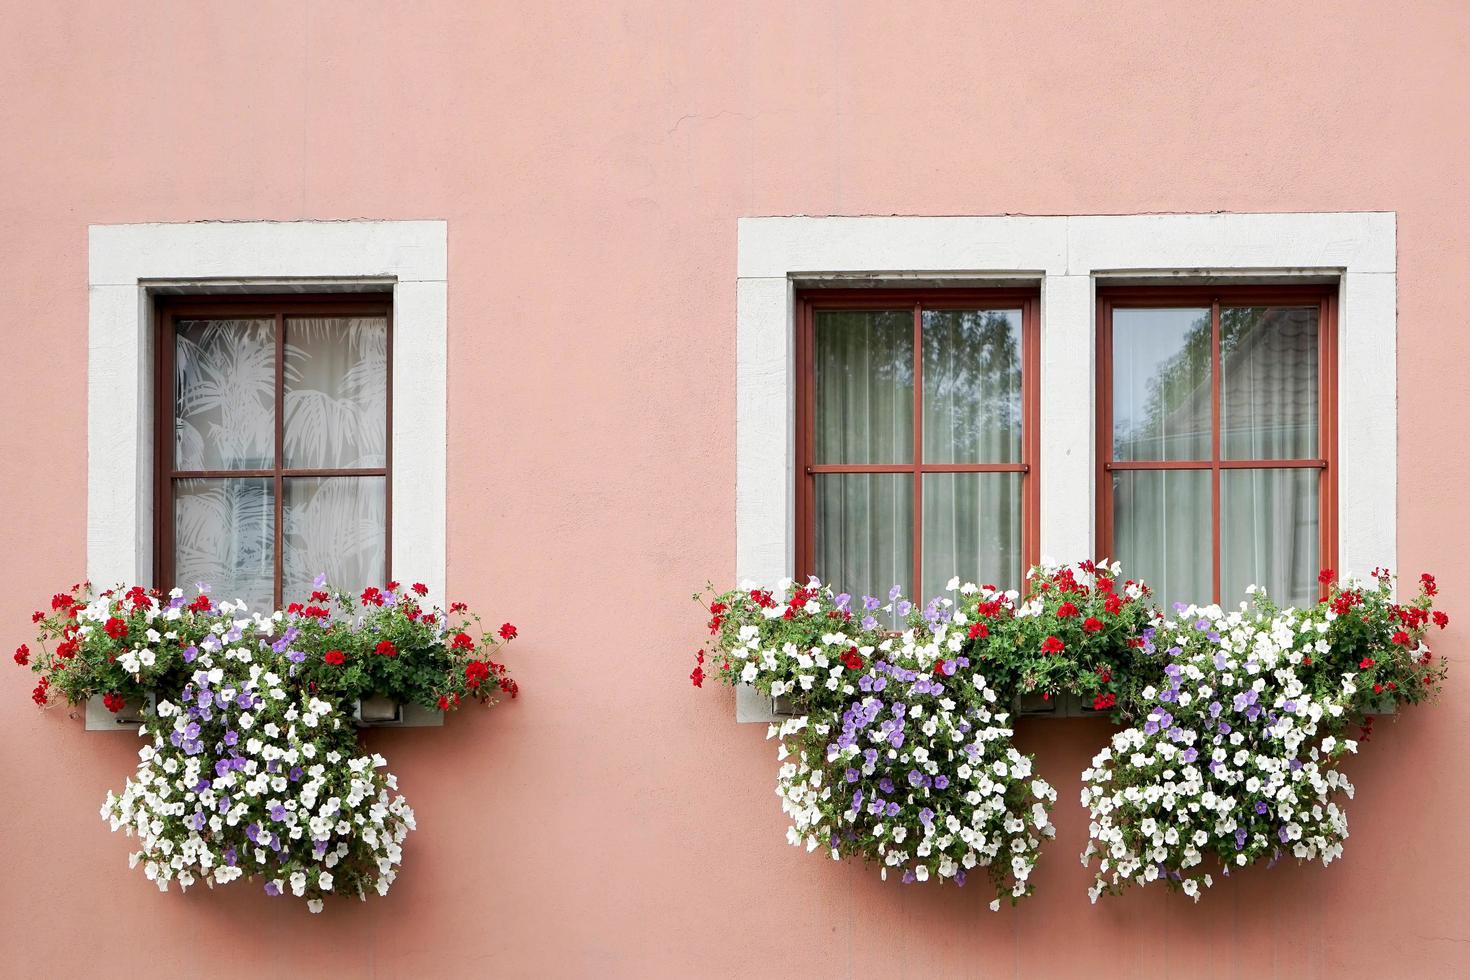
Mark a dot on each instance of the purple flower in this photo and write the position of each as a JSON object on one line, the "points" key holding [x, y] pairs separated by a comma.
{"points": [[296, 656], [869, 623], [941, 781], [230, 856], [905, 607], [843, 601], [885, 784], [895, 592], [1261, 807], [272, 889], [278, 812], [1190, 754], [852, 775], [926, 816], [190, 652], [908, 877], [893, 809], [252, 831], [871, 602]]}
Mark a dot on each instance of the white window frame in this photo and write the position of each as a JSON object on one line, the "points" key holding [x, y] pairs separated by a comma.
{"points": [[129, 265], [1068, 257]]}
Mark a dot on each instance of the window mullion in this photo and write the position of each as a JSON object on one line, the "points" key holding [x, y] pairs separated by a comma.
{"points": [[280, 487], [1215, 445], [917, 584]]}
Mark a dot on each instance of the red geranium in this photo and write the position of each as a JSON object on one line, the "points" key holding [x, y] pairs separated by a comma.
{"points": [[335, 657], [420, 588], [978, 631], [851, 660], [1104, 701], [386, 648], [113, 701], [116, 628], [1092, 624], [1066, 610], [1052, 645], [476, 672], [507, 631], [462, 641], [22, 654], [1401, 638]]}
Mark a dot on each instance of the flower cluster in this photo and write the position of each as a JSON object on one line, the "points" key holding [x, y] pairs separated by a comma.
{"points": [[249, 776], [903, 752], [253, 769], [127, 643], [900, 751]]}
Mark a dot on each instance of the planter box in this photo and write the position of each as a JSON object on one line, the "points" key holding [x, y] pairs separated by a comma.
{"points": [[377, 711], [99, 719]]}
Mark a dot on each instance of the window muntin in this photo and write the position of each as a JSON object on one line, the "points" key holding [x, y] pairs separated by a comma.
{"points": [[916, 433], [274, 447], [1215, 439]]}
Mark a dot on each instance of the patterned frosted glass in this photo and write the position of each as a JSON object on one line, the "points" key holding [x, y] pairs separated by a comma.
{"points": [[225, 537], [333, 525], [336, 392], [224, 390]]}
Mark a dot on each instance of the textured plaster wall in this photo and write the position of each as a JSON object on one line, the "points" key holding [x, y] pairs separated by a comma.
{"points": [[591, 161]]}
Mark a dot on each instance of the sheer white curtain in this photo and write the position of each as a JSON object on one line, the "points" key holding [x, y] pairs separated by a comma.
{"points": [[864, 404], [1162, 411], [972, 414]]}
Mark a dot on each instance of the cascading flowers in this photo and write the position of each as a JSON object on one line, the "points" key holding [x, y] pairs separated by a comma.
{"points": [[901, 753], [253, 769]]}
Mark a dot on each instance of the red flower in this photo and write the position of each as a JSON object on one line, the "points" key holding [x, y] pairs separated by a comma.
{"points": [[475, 673], [697, 676], [1113, 604], [1401, 638], [421, 588], [458, 607], [443, 703], [113, 701], [386, 648], [392, 586], [851, 660], [22, 654], [462, 641], [1426, 582], [1066, 610], [1377, 688], [1307, 660], [1092, 624], [1052, 645], [1104, 675], [1366, 663], [507, 631], [371, 596], [1440, 619], [39, 694], [978, 631], [200, 603], [1326, 576], [116, 628], [1104, 701], [335, 657]]}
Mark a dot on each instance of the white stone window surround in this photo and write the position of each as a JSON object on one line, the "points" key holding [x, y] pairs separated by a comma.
{"points": [[130, 264], [1067, 257]]}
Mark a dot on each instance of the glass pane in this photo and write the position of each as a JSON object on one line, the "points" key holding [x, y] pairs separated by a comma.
{"points": [[864, 398], [333, 525], [864, 532], [336, 398], [1162, 533], [972, 528], [224, 394], [1269, 534], [1268, 382], [225, 537], [972, 386], [1161, 384]]}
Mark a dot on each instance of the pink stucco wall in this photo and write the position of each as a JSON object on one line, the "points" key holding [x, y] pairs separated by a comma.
{"points": [[591, 161]]}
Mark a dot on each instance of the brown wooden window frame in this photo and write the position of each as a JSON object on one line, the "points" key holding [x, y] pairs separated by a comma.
{"points": [[809, 302], [171, 309], [1325, 297]]}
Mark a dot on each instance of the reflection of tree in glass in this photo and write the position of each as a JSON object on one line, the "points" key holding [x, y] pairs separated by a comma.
{"points": [[972, 386], [864, 387], [1175, 415]]}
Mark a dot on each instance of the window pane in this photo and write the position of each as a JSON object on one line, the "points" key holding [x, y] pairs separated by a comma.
{"points": [[864, 397], [225, 394], [1162, 532], [1269, 534], [333, 525], [972, 528], [1268, 382], [972, 386], [336, 397], [864, 532], [225, 537], [1161, 384]]}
